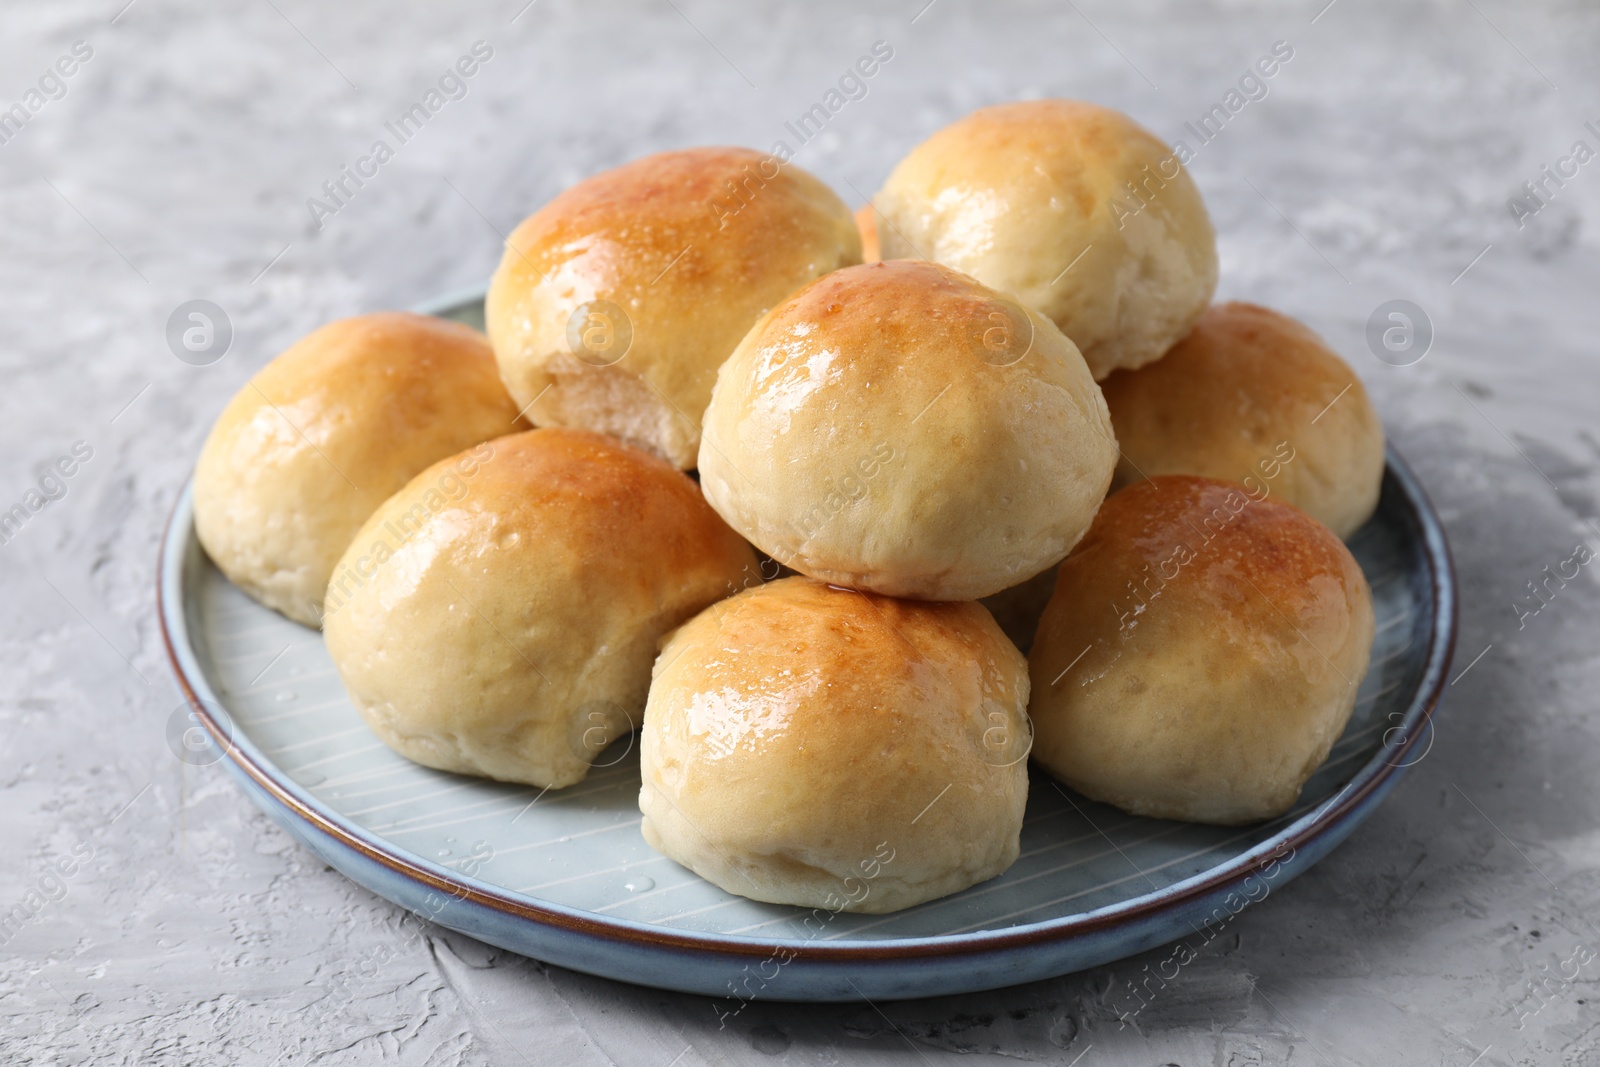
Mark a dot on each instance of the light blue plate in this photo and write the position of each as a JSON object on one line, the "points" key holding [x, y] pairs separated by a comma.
{"points": [[566, 876]]}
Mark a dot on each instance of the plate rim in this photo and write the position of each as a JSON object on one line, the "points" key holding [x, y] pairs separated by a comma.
{"points": [[1385, 766]]}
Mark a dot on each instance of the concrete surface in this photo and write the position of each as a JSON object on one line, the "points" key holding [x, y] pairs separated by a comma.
{"points": [[1457, 927]]}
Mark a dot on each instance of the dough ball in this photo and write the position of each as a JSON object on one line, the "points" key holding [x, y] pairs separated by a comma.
{"points": [[326, 432], [1253, 396], [1201, 654], [820, 747], [901, 428], [499, 615]]}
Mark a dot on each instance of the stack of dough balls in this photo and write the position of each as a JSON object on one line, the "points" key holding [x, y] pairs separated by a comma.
{"points": [[907, 411]]}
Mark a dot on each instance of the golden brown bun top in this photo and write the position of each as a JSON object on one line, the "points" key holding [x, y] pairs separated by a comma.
{"points": [[796, 727], [1240, 362], [1201, 653], [815, 663], [1033, 152], [691, 247], [500, 614], [900, 316], [633, 220], [603, 496], [1071, 137], [733, 215], [619, 231], [388, 362], [1244, 380], [414, 388], [807, 682], [1292, 561]]}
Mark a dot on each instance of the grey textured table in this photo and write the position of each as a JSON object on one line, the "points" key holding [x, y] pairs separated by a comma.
{"points": [[170, 922]]}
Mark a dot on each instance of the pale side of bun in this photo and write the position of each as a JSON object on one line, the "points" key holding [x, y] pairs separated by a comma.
{"points": [[824, 748], [867, 224], [900, 428], [1201, 654], [1019, 608], [615, 303], [499, 615], [1253, 396], [326, 432], [1072, 207]]}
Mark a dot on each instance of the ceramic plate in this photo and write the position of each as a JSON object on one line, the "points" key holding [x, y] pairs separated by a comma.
{"points": [[566, 876]]}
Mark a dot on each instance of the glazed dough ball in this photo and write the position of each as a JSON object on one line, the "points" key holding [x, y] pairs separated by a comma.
{"points": [[900, 428], [1201, 654], [1073, 208], [325, 433], [1253, 396], [819, 747], [498, 616], [616, 302]]}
